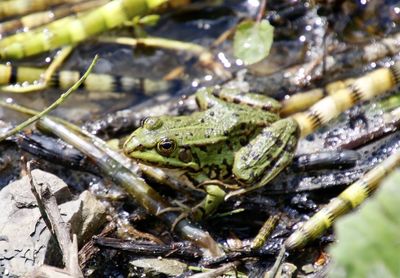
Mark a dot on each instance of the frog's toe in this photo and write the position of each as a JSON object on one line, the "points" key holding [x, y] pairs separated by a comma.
{"points": [[267, 154]]}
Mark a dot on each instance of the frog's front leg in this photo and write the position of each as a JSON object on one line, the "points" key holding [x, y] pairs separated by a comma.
{"points": [[266, 155]]}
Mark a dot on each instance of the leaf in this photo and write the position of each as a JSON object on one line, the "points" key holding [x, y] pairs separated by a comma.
{"points": [[368, 240], [253, 41]]}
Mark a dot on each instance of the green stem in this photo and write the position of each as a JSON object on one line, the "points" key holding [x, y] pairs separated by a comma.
{"points": [[157, 42]]}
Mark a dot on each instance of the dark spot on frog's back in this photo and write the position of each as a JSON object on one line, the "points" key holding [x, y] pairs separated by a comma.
{"points": [[229, 144], [266, 107], [278, 143], [255, 157], [212, 113], [203, 148]]}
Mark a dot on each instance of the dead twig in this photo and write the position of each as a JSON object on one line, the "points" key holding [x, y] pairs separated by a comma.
{"points": [[177, 249], [218, 271], [51, 214], [89, 249]]}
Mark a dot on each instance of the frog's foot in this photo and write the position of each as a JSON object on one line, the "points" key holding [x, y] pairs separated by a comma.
{"points": [[215, 196], [221, 184], [184, 210], [266, 155], [170, 209]]}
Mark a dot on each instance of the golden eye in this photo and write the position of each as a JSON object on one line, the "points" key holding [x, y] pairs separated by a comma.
{"points": [[151, 123], [166, 146]]}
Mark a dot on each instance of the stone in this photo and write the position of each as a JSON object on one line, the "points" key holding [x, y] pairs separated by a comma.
{"points": [[24, 237]]}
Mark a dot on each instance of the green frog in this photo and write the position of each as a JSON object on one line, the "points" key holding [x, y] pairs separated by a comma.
{"points": [[236, 139]]}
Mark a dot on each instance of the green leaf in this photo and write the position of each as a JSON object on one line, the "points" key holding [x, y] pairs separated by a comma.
{"points": [[253, 41], [368, 240]]}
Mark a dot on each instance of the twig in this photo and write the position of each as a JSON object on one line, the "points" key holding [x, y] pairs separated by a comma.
{"points": [[261, 10], [42, 209], [177, 249], [49, 209], [89, 249], [273, 272], [217, 272]]}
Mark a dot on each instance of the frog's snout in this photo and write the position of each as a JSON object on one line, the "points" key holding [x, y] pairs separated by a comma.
{"points": [[131, 144]]}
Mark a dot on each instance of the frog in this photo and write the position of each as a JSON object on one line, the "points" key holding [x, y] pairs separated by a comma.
{"points": [[236, 141]]}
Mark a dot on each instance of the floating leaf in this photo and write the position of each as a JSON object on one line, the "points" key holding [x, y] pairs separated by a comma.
{"points": [[253, 41], [368, 240]]}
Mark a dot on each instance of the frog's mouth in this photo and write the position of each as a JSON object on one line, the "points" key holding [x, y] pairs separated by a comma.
{"points": [[153, 158]]}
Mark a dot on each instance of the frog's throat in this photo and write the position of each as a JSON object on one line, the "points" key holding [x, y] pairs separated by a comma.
{"points": [[155, 159]]}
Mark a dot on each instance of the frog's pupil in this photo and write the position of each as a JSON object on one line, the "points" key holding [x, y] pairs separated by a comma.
{"points": [[166, 145]]}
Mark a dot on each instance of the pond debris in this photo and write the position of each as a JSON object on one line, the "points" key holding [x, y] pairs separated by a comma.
{"points": [[182, 250], [155, 266]]}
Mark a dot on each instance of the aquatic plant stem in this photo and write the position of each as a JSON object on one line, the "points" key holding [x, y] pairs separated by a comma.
{"points": [[53, 106]]}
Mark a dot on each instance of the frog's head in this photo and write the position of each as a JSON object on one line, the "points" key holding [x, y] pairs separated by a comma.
{"points": [[155, 143]]}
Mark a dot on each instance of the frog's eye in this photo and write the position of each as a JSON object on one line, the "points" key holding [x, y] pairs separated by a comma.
{"points": [[166, 146], [150, 123]]}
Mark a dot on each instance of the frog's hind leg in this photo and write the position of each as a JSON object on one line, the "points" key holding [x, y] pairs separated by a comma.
{"points": [[208, 97], [266, 155], [210, 203], [251, 99]]}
